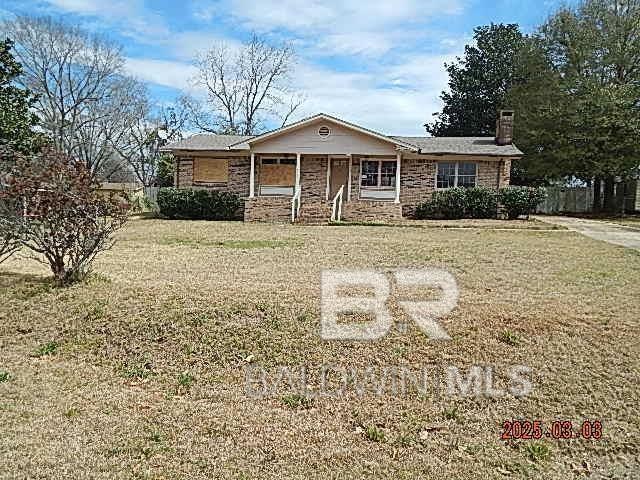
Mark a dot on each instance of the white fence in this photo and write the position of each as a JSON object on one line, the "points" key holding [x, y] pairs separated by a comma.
{"points": [[567, 200]]}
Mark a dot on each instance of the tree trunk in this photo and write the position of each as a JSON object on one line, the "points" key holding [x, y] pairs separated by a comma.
{"points": [[59, 272], [609, 204], [597, 197]]}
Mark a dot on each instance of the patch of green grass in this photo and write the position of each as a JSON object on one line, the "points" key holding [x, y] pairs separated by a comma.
{"points": [[451, 413], [155, 437], [96, 311], [296, 400], [49, 348], [510, 338], [137, 370], [4, 376], [538, 451], [374, 434], [198, 319], [405, 439], [232, 244], [72, 413], [97, 279], [185, 380], [247, 244]]}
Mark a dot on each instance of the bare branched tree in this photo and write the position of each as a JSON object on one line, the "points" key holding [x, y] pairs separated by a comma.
{"points": [[85, 101], [52, 204], [244, 87], [140, 146]]}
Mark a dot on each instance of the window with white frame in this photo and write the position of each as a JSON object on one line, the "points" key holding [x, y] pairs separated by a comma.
{"points": [[456, 174], [378, 174]]}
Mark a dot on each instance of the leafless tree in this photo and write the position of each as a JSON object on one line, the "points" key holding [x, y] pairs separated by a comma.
{"points": [[244, 87], [85, 101], [140, 146], [52, 204]]}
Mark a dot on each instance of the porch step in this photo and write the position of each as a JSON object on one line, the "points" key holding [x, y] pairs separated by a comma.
{"points": [[314, 213]]}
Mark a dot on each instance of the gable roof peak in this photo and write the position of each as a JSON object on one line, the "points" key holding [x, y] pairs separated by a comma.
{"points": [[352, 126]]}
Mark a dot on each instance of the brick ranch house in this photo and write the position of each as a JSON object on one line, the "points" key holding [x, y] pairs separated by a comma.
{"points": [[323, 168]]}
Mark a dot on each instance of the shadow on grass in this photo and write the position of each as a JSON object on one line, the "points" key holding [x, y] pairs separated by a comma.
{"points": [[25, 285]]}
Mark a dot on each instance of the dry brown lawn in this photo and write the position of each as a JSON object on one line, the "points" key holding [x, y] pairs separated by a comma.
{"points": [[140, 373]]}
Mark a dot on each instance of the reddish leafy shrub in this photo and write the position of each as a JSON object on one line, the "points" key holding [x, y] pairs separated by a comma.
{"points": [[52, 205]]}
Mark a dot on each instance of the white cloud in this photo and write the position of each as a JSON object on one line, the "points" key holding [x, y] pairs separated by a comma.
{"points": [[162, 72], [301, 15], [97, 7], [347, 27], [396, 99], [186, 45]]}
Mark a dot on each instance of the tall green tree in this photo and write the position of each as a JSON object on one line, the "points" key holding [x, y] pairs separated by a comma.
{"points": [[580, 110], [16, 119], [478, 83]]}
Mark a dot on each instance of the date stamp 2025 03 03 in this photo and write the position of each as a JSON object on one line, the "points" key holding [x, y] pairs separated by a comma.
{"points": [[557, 430]]}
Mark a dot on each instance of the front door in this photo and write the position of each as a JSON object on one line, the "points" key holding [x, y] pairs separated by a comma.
{"points": [[339, 176]]}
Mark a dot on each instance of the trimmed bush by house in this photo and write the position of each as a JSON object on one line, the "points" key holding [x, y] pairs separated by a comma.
{"points": [[481, 202], [189, 204], [517, 201], [448, 204], [456, 203]]}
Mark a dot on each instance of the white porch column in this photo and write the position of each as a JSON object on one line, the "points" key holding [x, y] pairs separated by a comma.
{"points": [[298, 158], [252, 176], [350, 160], [398, 156]]}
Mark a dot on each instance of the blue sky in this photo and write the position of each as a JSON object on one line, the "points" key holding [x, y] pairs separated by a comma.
{"points": [[376, 63]]}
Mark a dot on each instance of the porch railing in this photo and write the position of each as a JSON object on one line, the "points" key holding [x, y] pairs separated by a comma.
{"points": [[336, 208], [295, 205]]}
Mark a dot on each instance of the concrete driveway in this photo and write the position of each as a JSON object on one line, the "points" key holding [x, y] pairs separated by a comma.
{"points": [[600, 230]]}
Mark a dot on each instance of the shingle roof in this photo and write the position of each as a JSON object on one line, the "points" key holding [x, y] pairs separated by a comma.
{"points": [[426, 145], [209, 141], [461, 146]]}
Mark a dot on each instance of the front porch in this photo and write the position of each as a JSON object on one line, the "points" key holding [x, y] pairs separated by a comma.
{"points": [[317, 188]]}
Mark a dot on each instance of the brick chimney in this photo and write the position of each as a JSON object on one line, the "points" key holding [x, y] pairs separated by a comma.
{"points": [[504, 127]]}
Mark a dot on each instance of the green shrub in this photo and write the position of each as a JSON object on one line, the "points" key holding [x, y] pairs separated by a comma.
{"points": [[424, 211], [518, 201], [481, 202], [448, 204], [185, 203], [455, 203]]}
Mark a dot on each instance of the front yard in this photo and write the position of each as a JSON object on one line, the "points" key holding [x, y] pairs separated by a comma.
{"points": [[141, 371]]}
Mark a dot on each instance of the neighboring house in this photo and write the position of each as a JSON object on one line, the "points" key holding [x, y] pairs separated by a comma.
{"points": [[303, 170]]}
